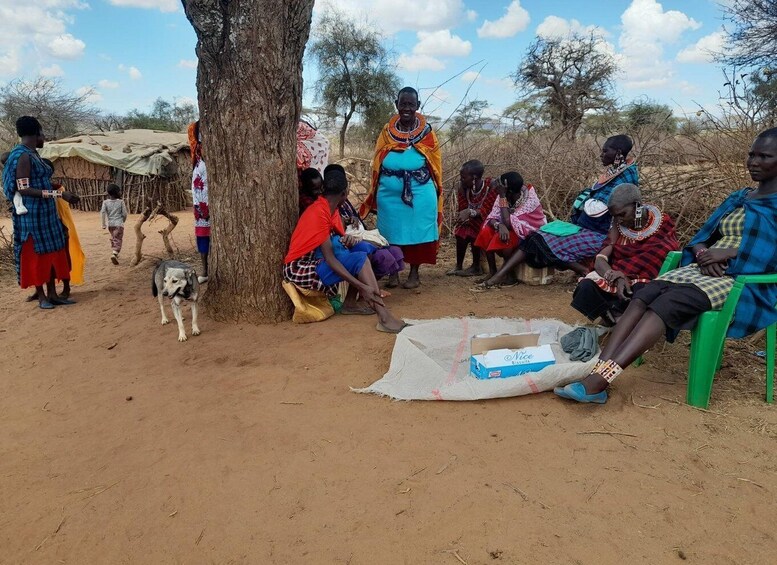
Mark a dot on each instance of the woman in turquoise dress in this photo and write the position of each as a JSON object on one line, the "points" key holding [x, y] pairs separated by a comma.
{"points": [[407, 186]]}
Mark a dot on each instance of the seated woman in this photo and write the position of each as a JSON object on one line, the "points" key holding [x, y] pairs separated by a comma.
{"points": [[737, 239], [319, 257], [567, 245], [311, 184], [640, 239], [475, 199], [514, 216]]}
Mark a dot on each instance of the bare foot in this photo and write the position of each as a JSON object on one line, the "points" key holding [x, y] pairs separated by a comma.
{"points": [[32, 298], [457, 272], [385, 294], [411, 283], [393, 281], [473, 271]]}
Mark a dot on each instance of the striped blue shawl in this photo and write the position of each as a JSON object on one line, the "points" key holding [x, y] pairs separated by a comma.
{"points": [[756, 308]]}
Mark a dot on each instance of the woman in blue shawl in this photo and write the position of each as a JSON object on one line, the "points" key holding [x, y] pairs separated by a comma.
{"points": [[566, 245], [737, 239]]}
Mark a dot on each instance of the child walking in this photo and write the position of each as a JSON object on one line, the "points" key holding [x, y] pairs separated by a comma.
{"points": [[113, 214]]}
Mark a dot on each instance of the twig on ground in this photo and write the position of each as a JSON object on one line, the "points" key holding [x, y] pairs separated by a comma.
{"points": [[199, 538], [593, 492], [455, 553], [411, 475], [751, 482], [102, 490], [654, 407], [293, 403], [448, 464], [55, 532], [524, 495], [693, 407], [606, 433]]}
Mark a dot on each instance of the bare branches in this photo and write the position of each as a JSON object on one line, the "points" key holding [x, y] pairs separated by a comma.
{"points": [[752, 36], [571, 75]]}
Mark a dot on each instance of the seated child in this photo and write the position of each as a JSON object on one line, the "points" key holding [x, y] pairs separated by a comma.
{"points": [[321, 256]]}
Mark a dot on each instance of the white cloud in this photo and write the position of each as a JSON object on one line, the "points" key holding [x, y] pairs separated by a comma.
{"points": [[134, 73], [187, 63], [474, 76], [92, 96], [419, 63], [554, 27], [9, 62], [441, 44], [391, 16], [472, 15], [704, 50], [108, 84], [470, 76], [516, 19], [66, 46], [647, 29], [28, 29], [52, 71], [161, 5]]}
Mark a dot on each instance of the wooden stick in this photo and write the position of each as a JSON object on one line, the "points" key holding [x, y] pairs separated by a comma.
{"points": [[140, 236], [606, 433], [165, 233]]}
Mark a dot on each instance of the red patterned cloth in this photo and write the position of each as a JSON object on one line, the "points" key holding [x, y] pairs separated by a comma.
{"points": [[640, 260], [312, 148], [482, 204]]}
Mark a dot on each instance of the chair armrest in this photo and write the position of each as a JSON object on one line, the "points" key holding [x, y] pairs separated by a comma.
{"points": [[757, 279], [672, 261]]}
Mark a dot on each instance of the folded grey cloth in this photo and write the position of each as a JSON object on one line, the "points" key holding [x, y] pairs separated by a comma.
{"points": [[582, 344]]}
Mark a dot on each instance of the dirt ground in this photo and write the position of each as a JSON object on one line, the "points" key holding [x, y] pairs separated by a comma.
{"points": [[245, 445]]}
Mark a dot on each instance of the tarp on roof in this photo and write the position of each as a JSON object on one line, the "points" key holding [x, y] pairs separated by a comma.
{"points": [[137, 151]]}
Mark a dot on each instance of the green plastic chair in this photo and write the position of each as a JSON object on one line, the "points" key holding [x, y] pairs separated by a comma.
{"points": [[709, 336]]}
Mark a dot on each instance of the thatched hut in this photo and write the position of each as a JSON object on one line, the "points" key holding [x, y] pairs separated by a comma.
{"points": [[150, 166]]}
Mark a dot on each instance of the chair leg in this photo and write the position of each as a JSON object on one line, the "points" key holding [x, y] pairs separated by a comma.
{"points": [[706, 350], [771, 341]]}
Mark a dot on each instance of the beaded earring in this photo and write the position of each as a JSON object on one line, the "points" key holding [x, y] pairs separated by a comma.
{"points": [[639, 213]]}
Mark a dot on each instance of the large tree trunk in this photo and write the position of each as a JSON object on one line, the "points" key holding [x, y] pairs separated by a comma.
{"points": [[249, 84]]}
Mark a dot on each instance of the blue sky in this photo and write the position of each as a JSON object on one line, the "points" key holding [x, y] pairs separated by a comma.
{"points": [[133, 51]]}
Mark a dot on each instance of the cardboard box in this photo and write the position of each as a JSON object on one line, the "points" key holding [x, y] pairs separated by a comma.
{"points": [[531, 276], [506, 355]]}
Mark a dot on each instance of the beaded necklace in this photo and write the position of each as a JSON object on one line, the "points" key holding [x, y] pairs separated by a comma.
{"points": [[654, 222]]}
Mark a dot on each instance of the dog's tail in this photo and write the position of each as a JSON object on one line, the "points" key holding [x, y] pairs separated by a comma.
{"points": [[154, 289]]}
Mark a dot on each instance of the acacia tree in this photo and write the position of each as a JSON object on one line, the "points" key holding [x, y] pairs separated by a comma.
{"points": [[61, 112], [571, 76], [355, 69], [752, 39], [249, 84]]}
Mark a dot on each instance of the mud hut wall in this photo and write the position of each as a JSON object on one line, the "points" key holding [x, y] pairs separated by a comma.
{"points": [[90, 182]]}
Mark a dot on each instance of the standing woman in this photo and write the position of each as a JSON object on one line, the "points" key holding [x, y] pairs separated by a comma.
{"points": [[407, 186], [200, 199], [39, 238]]}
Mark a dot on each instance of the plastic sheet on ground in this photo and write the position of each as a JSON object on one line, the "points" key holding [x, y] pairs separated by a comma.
{"points": [[430, 361]]}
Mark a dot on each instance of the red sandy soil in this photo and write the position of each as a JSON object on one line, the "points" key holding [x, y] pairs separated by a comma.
{"points": [[245, 445]]}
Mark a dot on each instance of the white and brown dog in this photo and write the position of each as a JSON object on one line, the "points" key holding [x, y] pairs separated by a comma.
{"points": [[177, 281]]}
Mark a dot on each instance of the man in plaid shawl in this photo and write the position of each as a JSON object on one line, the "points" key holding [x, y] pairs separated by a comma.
{"points": [[737, 239]]}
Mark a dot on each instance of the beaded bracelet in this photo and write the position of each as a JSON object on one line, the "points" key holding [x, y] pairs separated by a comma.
{"points": [[700, 252], [503, 202]]}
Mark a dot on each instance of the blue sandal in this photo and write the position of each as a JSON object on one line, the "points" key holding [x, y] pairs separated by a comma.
{"points": [[45, 305], [576, 391]]}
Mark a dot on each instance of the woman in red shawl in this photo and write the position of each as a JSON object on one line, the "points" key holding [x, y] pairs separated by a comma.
{"points": [[639, 240], [475, 198]]}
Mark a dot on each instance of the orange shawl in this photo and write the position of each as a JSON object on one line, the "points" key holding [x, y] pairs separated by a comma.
{"points": [[390, 139]]}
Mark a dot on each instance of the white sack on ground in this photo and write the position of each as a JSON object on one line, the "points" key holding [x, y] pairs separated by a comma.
{"points": [[431, 361]]}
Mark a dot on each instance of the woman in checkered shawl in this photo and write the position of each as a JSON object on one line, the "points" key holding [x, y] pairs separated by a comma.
{"points": [[640, 239], [737, 239], [38, 234]]}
